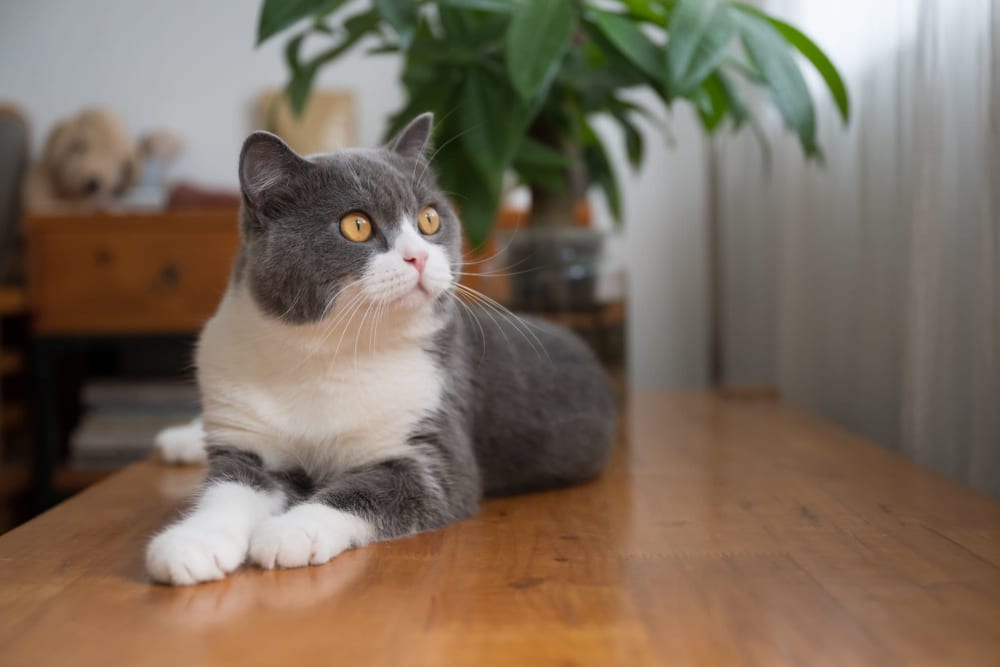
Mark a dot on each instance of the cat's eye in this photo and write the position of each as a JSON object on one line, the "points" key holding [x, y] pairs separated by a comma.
{"points": [[429, 221], [355, 226]]}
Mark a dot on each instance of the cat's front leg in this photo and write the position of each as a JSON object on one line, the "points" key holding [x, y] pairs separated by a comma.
{"points": [[311, 533], [377, 501], [214, 538]]}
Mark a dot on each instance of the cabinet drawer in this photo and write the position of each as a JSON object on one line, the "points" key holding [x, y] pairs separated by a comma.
{"points": [[134, 281]]}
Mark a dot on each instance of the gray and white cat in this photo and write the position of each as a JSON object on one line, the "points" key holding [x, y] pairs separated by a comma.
{"points": [[348, 395]]}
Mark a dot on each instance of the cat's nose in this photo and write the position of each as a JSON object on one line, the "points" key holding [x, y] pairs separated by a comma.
{"points": [[418, 258]]}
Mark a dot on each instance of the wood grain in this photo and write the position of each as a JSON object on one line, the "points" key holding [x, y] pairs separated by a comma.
{"points": [[724, 533]]}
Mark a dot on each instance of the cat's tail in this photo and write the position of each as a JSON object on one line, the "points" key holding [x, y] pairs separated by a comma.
{"points": [[184, 444]]}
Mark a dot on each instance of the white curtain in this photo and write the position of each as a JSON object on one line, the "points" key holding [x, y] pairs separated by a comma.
{"points": [[868, 289]]}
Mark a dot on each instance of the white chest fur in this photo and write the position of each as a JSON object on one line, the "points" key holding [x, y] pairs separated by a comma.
{"points": [[326, 399]]}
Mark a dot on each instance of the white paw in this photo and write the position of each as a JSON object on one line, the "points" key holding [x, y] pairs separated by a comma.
{"points": [[184, 555], [308, 534], [182, 444]]}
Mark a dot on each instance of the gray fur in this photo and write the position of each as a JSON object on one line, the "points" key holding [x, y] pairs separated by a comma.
{"points": [[526, 405]]}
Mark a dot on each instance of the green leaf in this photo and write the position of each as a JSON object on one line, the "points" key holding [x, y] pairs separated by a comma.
{"points": [[772, 57], [629, 40], [734, 99], [493, 123], [303, 75], [633, 142], [741, 114], [495, 6], [292, 49], [539, 164], [438, 96], [300, 86], [712, 102], [647, 11], [276, 15], [402, 16], [382, 49], [813, 54], [700, 34], [534, 152], [477, 198], [538, 37], [633, 145], [621, 111], [601, 171]]}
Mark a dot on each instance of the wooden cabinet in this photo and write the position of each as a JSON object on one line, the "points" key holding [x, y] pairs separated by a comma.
{"points": [[128, 274]]}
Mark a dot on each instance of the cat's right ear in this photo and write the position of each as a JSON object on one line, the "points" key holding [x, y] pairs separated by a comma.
{"points": [[266, 164]]}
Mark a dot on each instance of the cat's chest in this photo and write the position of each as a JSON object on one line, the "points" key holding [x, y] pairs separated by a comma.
{"points": [[352, 393], [331, 412]]}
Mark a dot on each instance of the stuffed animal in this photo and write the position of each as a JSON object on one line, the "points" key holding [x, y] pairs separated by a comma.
{"points": [[90, 162]]}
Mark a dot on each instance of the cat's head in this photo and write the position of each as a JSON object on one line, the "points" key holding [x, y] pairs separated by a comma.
{"points": [[357, 227]]}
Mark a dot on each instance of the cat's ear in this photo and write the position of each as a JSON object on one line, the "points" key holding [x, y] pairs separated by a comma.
{"points": [[414, 139], [267, 163]]}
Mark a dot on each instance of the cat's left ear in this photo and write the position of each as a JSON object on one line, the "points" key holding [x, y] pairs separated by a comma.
{"points": [[414, 139]]}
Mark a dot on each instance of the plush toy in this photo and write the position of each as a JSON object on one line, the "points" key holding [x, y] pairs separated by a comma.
{"points": [[90, 162]]}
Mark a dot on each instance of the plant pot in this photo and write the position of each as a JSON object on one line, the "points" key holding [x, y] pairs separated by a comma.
{"points": [[554, 270], [570, 276]]}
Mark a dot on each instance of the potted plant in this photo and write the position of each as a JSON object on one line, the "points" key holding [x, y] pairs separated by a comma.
{"points": [[515, 84]]}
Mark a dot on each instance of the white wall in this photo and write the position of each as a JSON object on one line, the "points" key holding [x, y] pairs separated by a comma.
{"points": [[666, 245], [187, 65], [190, 66]]}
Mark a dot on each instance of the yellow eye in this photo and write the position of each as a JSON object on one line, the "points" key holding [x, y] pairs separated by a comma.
{"points": [[355, 226], [429, 221]]}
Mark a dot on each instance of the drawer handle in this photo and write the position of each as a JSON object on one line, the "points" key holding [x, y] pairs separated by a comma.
{"points": [[103, 257], [168, 278]]}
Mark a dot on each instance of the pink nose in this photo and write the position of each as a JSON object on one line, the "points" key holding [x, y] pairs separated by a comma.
{"points": [[418, 258]]}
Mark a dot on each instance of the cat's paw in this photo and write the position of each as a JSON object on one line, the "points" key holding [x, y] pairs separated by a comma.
{"points": [[308, 534], [184, 555], [182, 444]]}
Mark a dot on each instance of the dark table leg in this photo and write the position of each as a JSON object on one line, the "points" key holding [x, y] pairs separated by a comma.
{"points": [[45, 421]]}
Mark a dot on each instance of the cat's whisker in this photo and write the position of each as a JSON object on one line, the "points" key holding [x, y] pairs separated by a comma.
{"points": [[472, 314], [453, 195], [294, 303], [498, 253], [332, 326], [347, 326], [493, 274], [379, 312], [333, 297], [438, 123], [352, 304], [512, 317], [428, 161], [489, 313], [357, 337]]}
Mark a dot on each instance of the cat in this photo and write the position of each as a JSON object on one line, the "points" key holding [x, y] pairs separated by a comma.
{"points": [[348, 395]]}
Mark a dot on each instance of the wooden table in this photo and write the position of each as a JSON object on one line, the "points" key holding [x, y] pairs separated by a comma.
{"points": [[724, 533]]}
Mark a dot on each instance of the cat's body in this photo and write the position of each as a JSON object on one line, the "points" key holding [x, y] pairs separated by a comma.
{"points": [[348, 396]]}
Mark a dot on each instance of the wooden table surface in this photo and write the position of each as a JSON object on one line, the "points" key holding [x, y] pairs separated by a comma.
{"points": [[724, 533]]}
